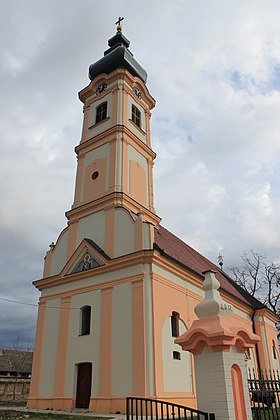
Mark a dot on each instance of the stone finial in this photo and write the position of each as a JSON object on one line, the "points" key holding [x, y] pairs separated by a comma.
{"points": [[212, 305], [216, 328]]}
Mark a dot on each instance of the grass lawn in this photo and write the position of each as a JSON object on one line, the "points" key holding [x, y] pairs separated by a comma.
{"points": [[14, 414]]}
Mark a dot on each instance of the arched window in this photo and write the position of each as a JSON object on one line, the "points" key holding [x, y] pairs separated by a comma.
{"points": [[136, 116], [101, 112], [175, 324], [85, 320]]}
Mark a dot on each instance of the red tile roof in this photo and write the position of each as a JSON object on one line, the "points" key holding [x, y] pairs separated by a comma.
{"points": [[19, 361], [173, 247]]}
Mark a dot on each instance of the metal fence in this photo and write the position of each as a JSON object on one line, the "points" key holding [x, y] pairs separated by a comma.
{"points": [[144, 408], [264, 387]]}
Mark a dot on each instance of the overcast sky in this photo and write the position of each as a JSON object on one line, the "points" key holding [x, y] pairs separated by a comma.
{"points": [[214, 69]]}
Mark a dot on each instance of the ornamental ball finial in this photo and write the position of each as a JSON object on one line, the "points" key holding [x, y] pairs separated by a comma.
{"points": [[119, 25]]}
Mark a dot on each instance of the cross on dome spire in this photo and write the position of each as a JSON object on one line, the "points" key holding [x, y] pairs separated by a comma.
{"points": [[119, 25], [118, 56]]}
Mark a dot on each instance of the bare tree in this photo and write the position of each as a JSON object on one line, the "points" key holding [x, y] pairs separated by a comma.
{"points": [[260, 279], [272, 277]]}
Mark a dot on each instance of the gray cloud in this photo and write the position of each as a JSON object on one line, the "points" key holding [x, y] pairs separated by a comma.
{"points": [[215, 75]]}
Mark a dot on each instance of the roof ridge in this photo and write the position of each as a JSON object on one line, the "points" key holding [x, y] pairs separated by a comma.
{"points": [[193, 250], [22, 350]]}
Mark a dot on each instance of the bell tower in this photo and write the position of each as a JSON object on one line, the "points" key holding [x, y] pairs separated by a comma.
{"points": [[114, 155], [113, 202]]}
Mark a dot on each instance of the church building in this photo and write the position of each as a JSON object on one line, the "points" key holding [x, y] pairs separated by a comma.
{"points": [[118, 287]]}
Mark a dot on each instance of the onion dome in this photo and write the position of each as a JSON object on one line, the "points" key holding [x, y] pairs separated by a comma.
{"points": [[117, 56]]}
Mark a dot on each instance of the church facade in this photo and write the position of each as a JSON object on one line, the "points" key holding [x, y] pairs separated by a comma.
{"points": [[118, 287]]}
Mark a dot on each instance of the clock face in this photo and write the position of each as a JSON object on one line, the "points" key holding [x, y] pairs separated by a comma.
{"points": [[101, 88], [137, 92]]}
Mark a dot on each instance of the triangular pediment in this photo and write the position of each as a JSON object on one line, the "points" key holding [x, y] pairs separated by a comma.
{"points": [[86, 262], [87, 256]]}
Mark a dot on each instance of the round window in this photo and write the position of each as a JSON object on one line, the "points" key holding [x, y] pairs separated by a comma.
{"points": [[94, 175]]}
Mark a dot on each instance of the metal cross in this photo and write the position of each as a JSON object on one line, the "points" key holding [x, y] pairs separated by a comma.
{"points": [[119, 27]]}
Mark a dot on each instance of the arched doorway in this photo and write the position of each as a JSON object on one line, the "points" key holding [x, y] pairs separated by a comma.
{"points": [[83, 385]]}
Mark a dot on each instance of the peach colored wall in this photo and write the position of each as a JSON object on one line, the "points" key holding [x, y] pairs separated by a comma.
{"points": [[62, 348], [149, 332], [271, 335], [172, 293], [266, 329], [79, 178], [37, 357], [121, 340], [120, 115], [49, 351], [138, 339], [112, 168], [119, 163], [95, 187], [137, 176], [137, 173], [97, 159], [125, 166], [105, 359], [168, 297]]}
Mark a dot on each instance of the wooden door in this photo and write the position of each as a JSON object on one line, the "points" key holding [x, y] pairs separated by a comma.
{"points": [[83, 385]]}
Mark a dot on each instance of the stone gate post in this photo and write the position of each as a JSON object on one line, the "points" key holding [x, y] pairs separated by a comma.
{"points": [[218, 341]]}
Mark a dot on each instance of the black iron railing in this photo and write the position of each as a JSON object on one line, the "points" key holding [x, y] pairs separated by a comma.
{"points": [[264, 387], [145, 408]]}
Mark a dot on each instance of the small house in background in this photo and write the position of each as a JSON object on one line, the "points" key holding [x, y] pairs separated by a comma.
{"points": [[15, 374], [15, 363]]}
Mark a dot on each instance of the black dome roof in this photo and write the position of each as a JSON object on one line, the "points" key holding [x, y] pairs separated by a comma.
{"points": [[116, 57]]}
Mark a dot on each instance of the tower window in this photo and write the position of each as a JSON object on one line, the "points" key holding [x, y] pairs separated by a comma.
{"points": [[176, 355], [94, 175], [175, 324], [136, 116], [101, 112], [85, 320]]}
